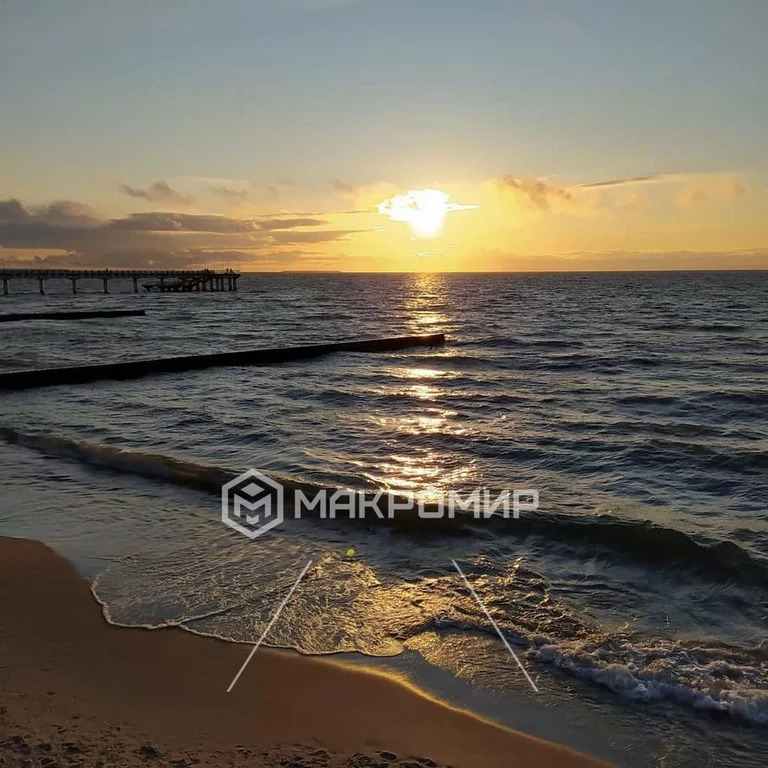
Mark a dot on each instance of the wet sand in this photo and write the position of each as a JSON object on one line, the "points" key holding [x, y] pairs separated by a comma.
{"points": [[76, 691]]}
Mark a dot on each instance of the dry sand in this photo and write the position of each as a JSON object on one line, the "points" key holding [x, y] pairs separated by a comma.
{"points": [[77, 691]]}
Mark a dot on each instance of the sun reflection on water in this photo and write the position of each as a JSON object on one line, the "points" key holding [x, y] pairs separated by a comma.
{"points": [[415, 456], [423, 303], [421, 373]]}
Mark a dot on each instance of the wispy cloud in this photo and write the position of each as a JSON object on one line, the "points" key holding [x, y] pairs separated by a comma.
{"points": [[549, 195], [158, 192], [231, 194], [720, 188], [634, 180], [699, 187], [542, 194], [344, 188]]}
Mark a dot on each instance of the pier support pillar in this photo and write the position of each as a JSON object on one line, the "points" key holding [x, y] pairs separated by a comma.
{"points": [[106, 286], [135, 284], [41, 283], [74, 286], [5, 286]]}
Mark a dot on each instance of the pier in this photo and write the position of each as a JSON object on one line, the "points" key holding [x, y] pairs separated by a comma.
{"points": [[166, 280]]}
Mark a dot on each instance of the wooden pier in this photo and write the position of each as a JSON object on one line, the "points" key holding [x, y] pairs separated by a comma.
{"points": [[167, 280]]}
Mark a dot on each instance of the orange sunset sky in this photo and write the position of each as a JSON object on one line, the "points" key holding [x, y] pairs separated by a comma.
{"points": [[283, 135]]}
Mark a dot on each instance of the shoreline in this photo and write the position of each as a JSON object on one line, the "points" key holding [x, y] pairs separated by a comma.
{"points": [[75, 686]]}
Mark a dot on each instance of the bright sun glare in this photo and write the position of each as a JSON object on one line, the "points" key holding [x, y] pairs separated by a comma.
{"points": [[423, 209]]}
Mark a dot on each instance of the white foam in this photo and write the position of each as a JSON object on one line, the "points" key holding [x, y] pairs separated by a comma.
{"points": [[656, 673]]}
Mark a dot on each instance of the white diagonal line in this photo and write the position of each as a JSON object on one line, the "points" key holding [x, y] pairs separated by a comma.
{"points": [[495, 625], [269, 626]]}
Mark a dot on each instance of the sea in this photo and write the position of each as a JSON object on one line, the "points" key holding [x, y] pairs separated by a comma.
{"points": [[635, 596]]}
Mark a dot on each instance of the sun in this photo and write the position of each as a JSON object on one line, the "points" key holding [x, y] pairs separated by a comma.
{"points": [[423, 209]]}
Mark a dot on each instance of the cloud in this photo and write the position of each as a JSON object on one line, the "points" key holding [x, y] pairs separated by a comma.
{"points": [[542, 194], [269, 224], [57, 225], [231, 194], [700, 187], [719, 189], [158, 192], [344, 188], [633, 180], [628, 260], [12, 211], [158, 221], [316, 236], [193, 258], [156, 237], [65, 213], [548, 195]]}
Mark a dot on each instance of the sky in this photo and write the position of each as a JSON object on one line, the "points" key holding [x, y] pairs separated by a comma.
{"points": [[287, 134]]}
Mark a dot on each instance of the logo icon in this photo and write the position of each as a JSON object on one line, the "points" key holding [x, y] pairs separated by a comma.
{"points": [[252, 503]]}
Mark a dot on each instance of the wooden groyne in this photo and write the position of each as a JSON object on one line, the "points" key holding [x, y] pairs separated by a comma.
{"points": [[85, 315], [134, 369], [165, 279]]}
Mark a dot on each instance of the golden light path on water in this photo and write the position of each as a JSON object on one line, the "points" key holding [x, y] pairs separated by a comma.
{"points": [[412, 461]]}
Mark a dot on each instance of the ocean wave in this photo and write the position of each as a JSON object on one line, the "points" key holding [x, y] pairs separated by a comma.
{"points": [[673, 428], [648, 399], [11, 362], [581, 361], [643, 541], [719, 680], [667, 452], [755, 397], [504, 342], [705, 679], [668, 326], [719, 328], [150, 465], [649, 542], [480, 362]]}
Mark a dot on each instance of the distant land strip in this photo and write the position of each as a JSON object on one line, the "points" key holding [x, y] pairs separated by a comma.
{"points": [[84, 315], [135, 369]]}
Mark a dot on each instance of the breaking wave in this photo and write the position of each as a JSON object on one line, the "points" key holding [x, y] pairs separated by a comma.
{"points": [[708, 679], [644, 541]]}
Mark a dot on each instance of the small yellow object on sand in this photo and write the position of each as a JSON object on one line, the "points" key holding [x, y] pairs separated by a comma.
{"points": [[351, 552]]}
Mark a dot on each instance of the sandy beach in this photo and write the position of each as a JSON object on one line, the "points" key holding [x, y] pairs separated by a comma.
{"points": [[77, 691]]}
